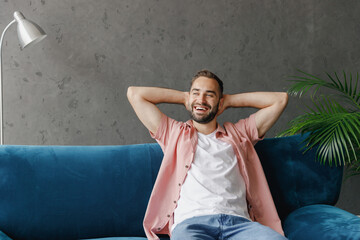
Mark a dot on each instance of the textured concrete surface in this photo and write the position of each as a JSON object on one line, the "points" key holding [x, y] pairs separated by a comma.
{"points": [[70, 89]]}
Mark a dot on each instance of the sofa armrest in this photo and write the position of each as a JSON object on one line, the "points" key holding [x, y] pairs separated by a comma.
{"points": [[3, 236], [321, 222]]}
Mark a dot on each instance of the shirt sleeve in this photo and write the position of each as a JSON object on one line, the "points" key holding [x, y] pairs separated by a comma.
{"points": [[163, 132], [248, 127]]}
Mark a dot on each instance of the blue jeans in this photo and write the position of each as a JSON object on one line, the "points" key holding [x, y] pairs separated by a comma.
{"points": [[221, 226]]}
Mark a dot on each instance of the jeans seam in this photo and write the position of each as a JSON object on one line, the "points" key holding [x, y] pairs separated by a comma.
{"points": [[221, 221]]}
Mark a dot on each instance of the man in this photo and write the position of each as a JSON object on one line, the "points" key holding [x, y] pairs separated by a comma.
{"points": [[210, 184]]}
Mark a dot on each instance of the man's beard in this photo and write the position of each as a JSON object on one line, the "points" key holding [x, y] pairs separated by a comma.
{"points": [[205, 118]]}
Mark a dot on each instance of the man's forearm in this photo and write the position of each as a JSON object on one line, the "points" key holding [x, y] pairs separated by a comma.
{"points": [[255, 99], [271, 105], [157, 95], [144, 100]]}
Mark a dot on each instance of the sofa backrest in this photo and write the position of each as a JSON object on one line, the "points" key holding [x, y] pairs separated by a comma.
{"points": [[297, 179], [75, 192]]}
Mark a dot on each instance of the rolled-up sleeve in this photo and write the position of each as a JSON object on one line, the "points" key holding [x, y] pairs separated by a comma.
{"points": [[164, 130], [248, 127]]}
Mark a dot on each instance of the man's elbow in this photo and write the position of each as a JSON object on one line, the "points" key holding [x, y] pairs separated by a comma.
{"points": [[131, 93], [283, 99]]}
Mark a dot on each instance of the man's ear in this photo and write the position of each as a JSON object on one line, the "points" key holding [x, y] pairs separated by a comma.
{"points": [[187, 106], [221, 106], [221, 103], [187, 102]]}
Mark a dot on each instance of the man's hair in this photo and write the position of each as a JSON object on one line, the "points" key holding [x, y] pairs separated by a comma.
{"points": [[208, 74]]}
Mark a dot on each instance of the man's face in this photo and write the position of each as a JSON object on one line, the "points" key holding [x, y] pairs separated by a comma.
{"points": [[204, 100]]}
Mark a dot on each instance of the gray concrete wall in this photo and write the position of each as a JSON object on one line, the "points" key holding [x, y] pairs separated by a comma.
{"points": [[70, 89]]}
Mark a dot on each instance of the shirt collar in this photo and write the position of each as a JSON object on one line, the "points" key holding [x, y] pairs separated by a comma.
{"points": [[219, 129]]}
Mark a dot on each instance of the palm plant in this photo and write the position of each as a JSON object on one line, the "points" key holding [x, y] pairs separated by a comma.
{"points": [[333, 122]]}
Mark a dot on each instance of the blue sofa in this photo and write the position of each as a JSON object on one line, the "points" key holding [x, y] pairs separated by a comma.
{"points": [[87, 192]]}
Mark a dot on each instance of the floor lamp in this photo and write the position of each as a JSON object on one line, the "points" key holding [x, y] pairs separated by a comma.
{"points": [[29, 33]]}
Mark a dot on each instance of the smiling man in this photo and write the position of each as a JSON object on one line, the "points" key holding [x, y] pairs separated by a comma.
{"points": [[210, 184], [201, 110]]}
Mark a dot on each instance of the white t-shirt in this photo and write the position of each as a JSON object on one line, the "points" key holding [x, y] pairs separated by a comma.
{"points": [[213, 184]]}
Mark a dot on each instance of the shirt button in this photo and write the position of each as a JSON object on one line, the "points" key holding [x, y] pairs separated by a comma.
{"points": [[168, 215], [186, 166], [179, 184], [174, 201]]}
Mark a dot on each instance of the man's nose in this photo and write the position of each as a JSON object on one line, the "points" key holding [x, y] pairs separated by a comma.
{"points": [[202, 98]]}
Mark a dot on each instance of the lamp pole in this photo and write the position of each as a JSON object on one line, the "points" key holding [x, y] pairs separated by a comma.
{"points": [[28, 33]]}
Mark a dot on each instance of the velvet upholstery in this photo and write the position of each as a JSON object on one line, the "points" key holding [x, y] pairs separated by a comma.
{"points": [[3, 236], [322, 222], [296, 179], [88, 192], [69, 192]]}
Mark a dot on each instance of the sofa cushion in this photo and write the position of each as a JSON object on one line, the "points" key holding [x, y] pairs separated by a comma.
{"points": [[296, 179], [3, 236], [322, 222], [74, 192]]}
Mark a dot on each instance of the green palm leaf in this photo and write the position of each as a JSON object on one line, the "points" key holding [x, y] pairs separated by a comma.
{"points": [[334, 128], [348, 91]]}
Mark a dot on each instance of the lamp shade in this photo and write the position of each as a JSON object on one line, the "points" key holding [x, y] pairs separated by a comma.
{"points": [[29, 32]]}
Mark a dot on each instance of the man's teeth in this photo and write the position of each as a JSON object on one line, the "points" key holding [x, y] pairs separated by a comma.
{"points": [[200, 108]]}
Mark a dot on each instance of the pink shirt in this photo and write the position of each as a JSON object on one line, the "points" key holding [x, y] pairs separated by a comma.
{"points": [[178, 141]]}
